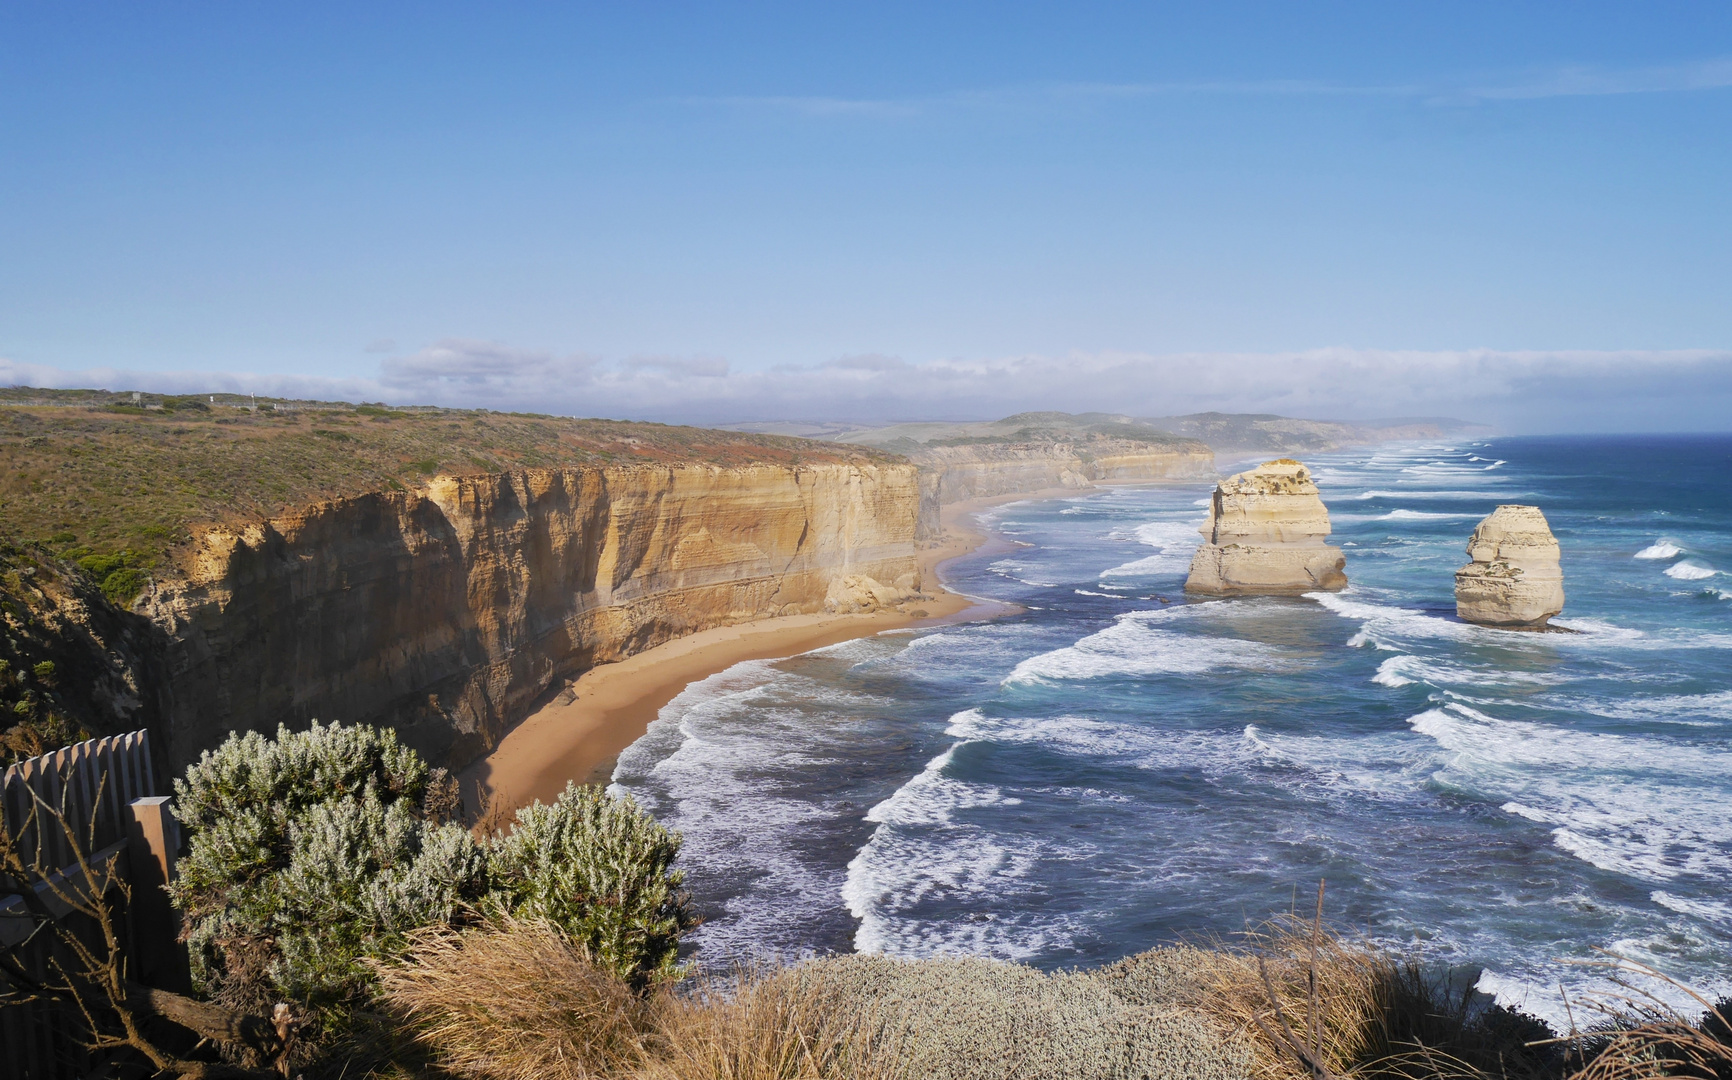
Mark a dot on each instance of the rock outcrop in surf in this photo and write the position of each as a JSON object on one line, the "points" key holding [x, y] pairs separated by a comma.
{"points": [[1265, 535], [1514, 579]]}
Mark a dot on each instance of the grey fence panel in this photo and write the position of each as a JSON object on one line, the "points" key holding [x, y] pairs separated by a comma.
{"points": [[91, 784]]}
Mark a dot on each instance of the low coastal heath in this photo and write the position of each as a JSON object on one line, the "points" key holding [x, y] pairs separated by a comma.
{"points": [[1118, 765]]}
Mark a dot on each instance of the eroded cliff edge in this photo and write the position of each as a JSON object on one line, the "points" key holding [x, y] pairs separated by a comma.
{"points": [[446, 611], [953, 474]]}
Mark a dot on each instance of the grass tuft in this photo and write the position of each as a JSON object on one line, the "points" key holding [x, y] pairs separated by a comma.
{"points": [[517, 1001]]}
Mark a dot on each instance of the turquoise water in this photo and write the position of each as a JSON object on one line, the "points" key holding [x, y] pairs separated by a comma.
{"points": [[1119, 766]]}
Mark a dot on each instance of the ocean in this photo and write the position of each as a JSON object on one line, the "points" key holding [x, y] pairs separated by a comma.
{"points": [[1120, 766]]}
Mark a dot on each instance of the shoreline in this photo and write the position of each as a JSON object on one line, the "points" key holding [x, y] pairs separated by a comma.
{"points": [[580, 739]]}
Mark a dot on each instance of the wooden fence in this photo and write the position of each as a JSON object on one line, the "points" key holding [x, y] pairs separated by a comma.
{"points": [[105, 790]]}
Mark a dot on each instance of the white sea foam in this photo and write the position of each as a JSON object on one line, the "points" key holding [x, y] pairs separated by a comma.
{"points": [[722, 764], [1095, 739], [1631, 805], [1670, 708], [931, 797], [1714, 911], [1135, 645], [1420, 515], [1540, 1000], [1105, 595], [1383, 625], [1690, 571], [1014, 570], [1659, 549], [919, 851], [1406, 669], [1389, 673], [1174, 542]]}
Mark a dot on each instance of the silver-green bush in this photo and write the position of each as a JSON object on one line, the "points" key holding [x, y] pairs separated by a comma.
{"points": [[309, 854], [600, 869], [317, 852]]}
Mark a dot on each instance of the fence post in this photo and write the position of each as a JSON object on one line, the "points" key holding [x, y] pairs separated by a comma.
{"points": [[153, 841]]}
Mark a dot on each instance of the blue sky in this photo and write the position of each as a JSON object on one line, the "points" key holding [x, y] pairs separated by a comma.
{"points": [[713, 212]]}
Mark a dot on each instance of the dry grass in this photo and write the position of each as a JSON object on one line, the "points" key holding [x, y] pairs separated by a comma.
{"points": [[768, 1025], [1319, 1005], [517, 1002], [1640, 1034]]}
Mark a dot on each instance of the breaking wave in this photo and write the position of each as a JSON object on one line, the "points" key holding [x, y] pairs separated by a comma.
{"points": [[1660, 549], [1690, 571]]}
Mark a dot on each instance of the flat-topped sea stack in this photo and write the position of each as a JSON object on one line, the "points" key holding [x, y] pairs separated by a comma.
{"points": [[1514, 579], [1265, 535]]}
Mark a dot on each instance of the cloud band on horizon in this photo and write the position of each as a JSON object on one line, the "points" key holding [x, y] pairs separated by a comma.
{"points": [[1518, 391]]}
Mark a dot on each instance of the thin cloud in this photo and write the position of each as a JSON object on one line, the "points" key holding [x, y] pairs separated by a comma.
{"points": [[1564, 81], [702, 367], [488, 369], [1535, 391], [1600, 82]]}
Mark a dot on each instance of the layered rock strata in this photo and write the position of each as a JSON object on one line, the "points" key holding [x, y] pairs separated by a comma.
{"points": [[953, 474], [1515, 579], [446, 612], [1265, 534]]}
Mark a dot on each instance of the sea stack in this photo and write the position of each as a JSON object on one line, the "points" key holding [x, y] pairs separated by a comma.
{"points": [[1514, 579], [1265, 534]]}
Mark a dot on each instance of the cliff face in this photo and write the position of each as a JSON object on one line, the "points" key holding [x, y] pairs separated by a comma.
{"points": [[951, 474], [1265, 534], [446, 612]]}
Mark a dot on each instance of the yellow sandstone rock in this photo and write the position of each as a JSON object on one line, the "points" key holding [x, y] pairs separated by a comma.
{"points": [[1515, 579], [1265, 534], [447, 611]]}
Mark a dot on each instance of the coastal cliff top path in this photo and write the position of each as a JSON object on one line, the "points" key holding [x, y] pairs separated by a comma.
{"points": [[106, 478]]}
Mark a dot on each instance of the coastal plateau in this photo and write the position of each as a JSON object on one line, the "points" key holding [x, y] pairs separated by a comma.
{"points": [[442, 597]]}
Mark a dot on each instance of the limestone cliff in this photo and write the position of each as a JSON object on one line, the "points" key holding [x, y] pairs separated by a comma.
{"points": [[1515, 579], [957, 473], [447, 610], [1265, 534]]}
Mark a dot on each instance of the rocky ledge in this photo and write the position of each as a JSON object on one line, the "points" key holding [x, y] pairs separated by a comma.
{"points": [[1515, 579], [1265, 535]]}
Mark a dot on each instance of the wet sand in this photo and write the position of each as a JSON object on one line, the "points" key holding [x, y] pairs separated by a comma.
{"points": [[581, 738]]}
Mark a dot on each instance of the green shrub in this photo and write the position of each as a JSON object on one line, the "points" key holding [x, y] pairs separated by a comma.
{"points": [[310, 853], [122, 586], [317, 852], [600, 869], [100, 566]]}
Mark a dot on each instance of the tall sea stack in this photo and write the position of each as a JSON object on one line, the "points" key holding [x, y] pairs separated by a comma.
{"points": [[1265, 534], [1514, 579]]}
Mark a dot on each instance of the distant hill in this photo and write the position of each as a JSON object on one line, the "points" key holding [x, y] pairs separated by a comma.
{"points": [[1228, 433], [1225, 433]]}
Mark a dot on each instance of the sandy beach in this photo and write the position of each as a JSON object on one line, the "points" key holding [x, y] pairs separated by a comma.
{"points": [[580, 738]]}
